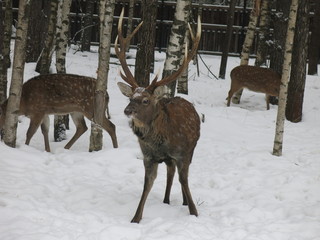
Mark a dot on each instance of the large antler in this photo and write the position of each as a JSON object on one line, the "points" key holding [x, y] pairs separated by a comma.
{"points": [[187, 59], [121, 53]]}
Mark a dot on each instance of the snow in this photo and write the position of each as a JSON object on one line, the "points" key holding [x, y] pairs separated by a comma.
{"points": [[241, 190]]}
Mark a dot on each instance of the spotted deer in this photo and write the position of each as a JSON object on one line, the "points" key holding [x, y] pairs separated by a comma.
{"points": [[257, 79], [167, 128], [59, 94]]}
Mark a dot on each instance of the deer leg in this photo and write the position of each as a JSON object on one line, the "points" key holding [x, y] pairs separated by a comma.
{"points": [[183, 170], [81, 126], [233, 89], [35, 122], [111, 129], [268, 101], [45, 130], [150, 175], [171, 168]]}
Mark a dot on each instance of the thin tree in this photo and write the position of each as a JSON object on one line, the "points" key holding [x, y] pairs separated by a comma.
{"points": [[278, 140], [106, 12], [43, 65], [299, 64], [264, 26], [87, 24], [314, 50], [145, 51], [5, 48], [61, 121], [226, 45], [11, 120], [175, 45], [130, 20], [245, 53], [182, 81], [280, 23], [38, 25]]}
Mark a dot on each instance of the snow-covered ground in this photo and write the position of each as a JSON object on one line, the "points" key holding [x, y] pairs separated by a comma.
{"points": [[241, 190]]}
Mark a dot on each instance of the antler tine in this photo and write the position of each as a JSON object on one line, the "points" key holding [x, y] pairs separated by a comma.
{"points": [[187, 59], [121, 53]]}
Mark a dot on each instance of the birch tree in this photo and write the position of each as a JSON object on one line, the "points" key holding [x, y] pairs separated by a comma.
{"points": [[11, 120], [106, 12], [175, 45], [5, 48], [245, 53], [43, 65], [278, 140], [264, 25], [61, 121]]}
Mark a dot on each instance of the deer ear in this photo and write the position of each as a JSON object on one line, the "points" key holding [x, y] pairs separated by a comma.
{"points": [[125, 89], [161, 92]]}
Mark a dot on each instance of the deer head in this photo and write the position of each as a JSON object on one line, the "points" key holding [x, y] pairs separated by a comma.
{"points": [[128, 77]]}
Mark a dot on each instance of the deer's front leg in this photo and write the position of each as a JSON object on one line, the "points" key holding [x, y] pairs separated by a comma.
{"points": [[150, 175]]}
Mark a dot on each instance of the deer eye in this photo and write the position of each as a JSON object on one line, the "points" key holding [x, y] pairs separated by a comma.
{"points": [[145, 101]]}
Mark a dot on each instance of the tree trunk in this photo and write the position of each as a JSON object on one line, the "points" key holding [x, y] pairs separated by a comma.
{"points": [[314, 49], [279, 35], [299, 64], [106, 19], [175, 45], [145, 51], [182, 86], [38, 25], [43, 65], [61, 122], [248, 43], [5, 48], [226, 45], [278, 140], [264, 25], [130, 20], [11, 121], [87, 23]]}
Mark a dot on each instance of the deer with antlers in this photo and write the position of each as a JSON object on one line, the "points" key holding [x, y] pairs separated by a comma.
{"points": [[167, 128]]}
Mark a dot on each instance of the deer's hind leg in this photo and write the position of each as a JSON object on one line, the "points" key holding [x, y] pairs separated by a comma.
{"points": [[35, 122], [81, 126], [111, 129], [183, 170], [45, 132], [171, 169]]}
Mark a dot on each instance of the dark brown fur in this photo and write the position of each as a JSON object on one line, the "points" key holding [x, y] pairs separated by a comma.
{"points": [[168, 131]]}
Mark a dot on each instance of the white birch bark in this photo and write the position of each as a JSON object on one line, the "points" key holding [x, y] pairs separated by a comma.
{"points": [[175, 45], [61, 121], [106, 19], [278, 140], [11, 121]]}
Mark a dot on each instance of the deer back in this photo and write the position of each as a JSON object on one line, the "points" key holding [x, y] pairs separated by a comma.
{"points": [[257, 79], [58, 94]]}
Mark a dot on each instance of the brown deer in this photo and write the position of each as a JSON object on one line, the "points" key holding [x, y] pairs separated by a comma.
{"points": [[167, 128], [256, 79], [59, 94]]}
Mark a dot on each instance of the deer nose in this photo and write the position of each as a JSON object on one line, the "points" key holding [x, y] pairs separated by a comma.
{"points": [[128, 110]]}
